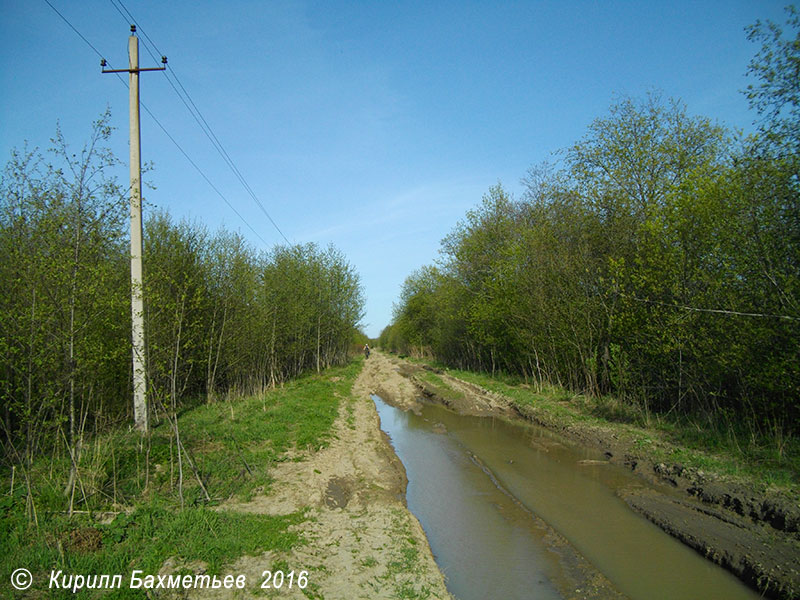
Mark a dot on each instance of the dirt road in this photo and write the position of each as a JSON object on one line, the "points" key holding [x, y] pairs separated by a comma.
{"points": [[362, 540]]}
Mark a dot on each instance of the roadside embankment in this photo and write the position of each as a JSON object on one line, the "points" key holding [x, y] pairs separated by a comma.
{"points": [[737, 522], [360, 539]]}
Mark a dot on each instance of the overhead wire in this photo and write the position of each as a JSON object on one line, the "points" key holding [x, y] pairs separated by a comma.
{"points": [[191, 106], [80, 35], [164, 129], [203, 175]]}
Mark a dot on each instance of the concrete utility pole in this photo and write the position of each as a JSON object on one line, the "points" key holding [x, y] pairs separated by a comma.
{"points": [[140, 413]]}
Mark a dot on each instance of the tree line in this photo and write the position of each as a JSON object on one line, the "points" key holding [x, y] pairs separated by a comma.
{"points": [[659, 261], [220, 317]]}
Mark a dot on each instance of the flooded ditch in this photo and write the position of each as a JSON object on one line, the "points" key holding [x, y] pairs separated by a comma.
{"points": [[512, 511]]}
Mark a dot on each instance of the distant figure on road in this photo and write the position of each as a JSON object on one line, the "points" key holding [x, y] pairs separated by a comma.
{"points": [[366, 350]]}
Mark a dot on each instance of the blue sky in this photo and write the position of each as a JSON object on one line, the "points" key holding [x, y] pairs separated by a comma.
{"points": [[373, 126]]}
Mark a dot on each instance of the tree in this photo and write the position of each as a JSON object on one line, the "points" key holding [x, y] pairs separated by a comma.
{"points": [[776, 96], [660, 264], [219, 316], [63, 318]]}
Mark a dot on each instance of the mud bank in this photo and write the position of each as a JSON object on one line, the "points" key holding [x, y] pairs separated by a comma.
{"points": [[750, 533]]}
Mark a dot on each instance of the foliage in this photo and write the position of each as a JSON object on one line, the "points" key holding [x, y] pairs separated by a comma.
{"points": [[660, 264], [220, 317], [776, 96], [63, 312]]}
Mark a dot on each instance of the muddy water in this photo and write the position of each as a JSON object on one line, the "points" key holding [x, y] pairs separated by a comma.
{"points": [[477, 485]]}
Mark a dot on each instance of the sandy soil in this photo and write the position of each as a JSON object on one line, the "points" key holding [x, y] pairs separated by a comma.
{"points": [[362, 540]]}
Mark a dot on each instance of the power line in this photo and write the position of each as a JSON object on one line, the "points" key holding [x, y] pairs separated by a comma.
{"points": [[718, 311], [88, 43], [203, 175], [164, 129], [190, 105], [128, 18]]}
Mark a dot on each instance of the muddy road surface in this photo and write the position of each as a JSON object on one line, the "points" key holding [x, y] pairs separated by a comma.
{"points": [[751, 534]]}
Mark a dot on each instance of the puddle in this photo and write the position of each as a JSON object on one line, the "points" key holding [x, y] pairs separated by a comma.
{"points": [[478, 484]]}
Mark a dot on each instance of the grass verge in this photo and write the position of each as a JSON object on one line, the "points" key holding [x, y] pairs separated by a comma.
{"points": [[708, 443], [439, 385], [128, 512]]}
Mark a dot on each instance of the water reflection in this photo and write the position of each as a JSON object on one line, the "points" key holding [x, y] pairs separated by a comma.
{"points": [[474, 484], [484, 542]]}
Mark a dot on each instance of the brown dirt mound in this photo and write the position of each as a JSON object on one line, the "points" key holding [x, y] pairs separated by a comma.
{"points": [[755, 554]]}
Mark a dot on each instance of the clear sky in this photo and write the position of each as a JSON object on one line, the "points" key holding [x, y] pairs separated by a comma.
{"points": [[373, 126]]}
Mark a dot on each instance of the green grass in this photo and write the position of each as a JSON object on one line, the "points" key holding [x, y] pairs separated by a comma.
{"points": [[233, 443], [405, 563], [143, 540], [439, 385]]}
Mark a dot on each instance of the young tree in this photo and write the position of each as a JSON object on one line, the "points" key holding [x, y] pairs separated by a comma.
{"points": [[64, 314]]}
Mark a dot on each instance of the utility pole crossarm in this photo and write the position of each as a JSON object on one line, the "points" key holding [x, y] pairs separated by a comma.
{"points": [[132, 70], [140, 409]]}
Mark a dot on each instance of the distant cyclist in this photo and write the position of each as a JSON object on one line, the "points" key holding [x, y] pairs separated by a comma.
{"points": [[366, 350]]}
